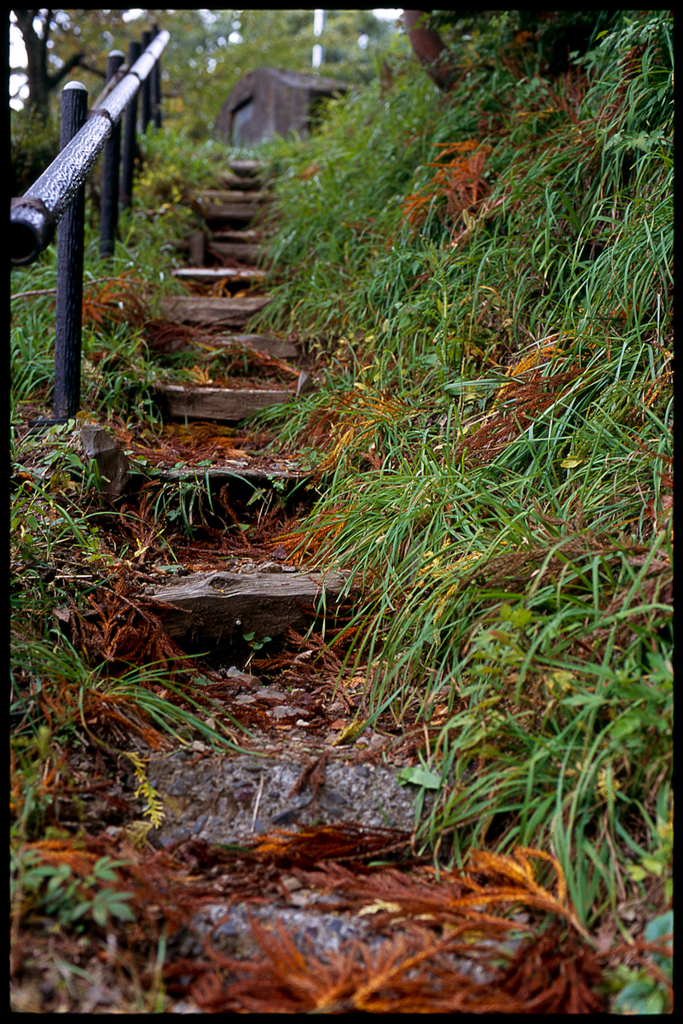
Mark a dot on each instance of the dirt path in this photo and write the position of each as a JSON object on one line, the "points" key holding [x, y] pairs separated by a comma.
{"points": [[282, 874]]}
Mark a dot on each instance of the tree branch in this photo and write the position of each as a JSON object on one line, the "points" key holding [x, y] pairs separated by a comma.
{"points": [[75, 60]]}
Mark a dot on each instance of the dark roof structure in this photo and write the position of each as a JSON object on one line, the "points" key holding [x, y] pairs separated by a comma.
{"points": [[269, 102]]}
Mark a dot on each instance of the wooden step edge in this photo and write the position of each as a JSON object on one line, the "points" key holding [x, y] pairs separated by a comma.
{"points": [[230, 469], [220, 405], [219, 273], [222, 195], [245, 166], [215, 310]]}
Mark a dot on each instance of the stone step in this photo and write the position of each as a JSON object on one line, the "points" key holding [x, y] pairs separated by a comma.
{"points": [[247, 235], [218, 311], [225, 244], [268, 344], [222, 405], [119, 473]]}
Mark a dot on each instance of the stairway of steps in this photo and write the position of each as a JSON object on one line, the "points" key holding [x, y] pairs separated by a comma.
{"points": [[226, 292]]}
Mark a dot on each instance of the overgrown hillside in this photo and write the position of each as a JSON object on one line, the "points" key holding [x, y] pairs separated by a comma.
{"points": [[482, 282], [489, 277]]}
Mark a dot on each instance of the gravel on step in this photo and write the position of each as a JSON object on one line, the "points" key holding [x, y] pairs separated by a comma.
{"points": [[223, 799]]}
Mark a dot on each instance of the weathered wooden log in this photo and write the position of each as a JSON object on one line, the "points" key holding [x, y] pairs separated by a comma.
{"points": [[197, 309], [285, 471], [224, 405], [219, 608]]}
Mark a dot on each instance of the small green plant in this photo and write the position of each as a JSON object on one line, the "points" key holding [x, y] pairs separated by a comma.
{"points": [[254, 644], [46, 889], [658, 863], [643, 991], [498, 650]]}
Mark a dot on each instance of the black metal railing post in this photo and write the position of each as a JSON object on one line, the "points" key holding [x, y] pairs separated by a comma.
{"points": [[145, 115], [68, 311], [109, 208], [35, 215], [128, 152], [155, 86]]}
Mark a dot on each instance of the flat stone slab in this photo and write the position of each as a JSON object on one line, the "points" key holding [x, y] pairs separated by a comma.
{"points": [[221, 607], [197, 309], [224, 405], [215, 800]]}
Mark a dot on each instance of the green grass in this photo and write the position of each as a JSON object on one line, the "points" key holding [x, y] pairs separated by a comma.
{"points": [[507, 515]]}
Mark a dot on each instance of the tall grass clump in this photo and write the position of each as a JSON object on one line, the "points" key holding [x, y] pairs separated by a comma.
{"points": [[338, 197], [490, 277]]}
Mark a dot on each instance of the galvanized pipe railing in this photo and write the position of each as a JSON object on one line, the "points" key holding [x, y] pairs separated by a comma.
{"points": [[35, 215]]}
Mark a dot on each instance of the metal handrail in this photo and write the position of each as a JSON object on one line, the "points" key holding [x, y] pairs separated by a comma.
{"points": [[35, 215]]}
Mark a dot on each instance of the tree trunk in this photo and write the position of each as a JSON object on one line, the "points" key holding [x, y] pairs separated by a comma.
{"points": [[428, 47], [40, 81]]}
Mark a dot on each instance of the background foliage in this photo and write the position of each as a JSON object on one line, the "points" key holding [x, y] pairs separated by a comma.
{"points": [[208, 53]]}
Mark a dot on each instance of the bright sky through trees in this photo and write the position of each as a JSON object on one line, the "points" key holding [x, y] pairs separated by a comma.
{"points": [[18, 89]]}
